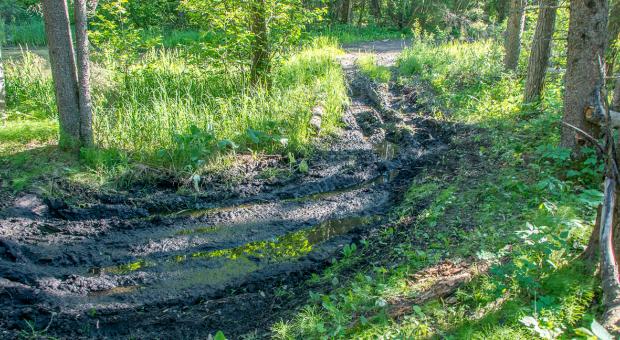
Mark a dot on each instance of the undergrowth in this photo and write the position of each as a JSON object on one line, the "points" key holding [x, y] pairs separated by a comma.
{"points": [[170, 111], [368, 66], [512, 198]]}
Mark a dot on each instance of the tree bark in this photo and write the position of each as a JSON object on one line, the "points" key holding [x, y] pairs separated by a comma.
{"points": [[541, 50], [587, 38], [345, 12], [615, 105], [502, 10], [3, 113], [64, 72], [613, 30], [514, 31], [260, 50], [83, 68], [375, 9]]}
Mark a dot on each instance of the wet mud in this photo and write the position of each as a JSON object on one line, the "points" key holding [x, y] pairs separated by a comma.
{"points": [[187, 267]]}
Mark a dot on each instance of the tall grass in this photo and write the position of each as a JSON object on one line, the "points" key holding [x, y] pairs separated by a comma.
{"points": [[349, 34], [27, 33], [167, 110], [454, 65], [29, 87]]}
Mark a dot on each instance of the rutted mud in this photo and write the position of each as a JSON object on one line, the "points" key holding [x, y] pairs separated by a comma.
{"points": [[119, 270]]}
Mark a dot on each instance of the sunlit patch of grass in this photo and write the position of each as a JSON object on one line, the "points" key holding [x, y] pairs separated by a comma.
{"points": [[349, 34], [368, 66]]}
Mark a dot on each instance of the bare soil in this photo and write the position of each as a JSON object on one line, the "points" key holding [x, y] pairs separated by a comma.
{"points": [[236, 259]]}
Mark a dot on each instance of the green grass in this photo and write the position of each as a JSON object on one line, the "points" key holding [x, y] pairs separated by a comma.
{"points": [[349, 34], [368, 66], [514, 199], [29, 33], [170, 111]]}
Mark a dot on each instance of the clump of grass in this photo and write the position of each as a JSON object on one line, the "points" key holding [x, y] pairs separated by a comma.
{"points": [[453, 65], [29, 87], [368, 66]]}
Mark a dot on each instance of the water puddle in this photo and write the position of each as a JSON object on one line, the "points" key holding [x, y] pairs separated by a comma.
{"points": [[114, 291], [292, 245], [282, 248], [386, 150]]}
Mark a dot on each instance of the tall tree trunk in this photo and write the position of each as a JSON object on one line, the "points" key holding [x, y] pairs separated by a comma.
{"points": [[82, 53], [64, 72], [615, 105], [587, 38], [260, 48], [361, 13], [613, 29], [375, 9], [502, 10], [3, 113], [541, 50], [514, 30], [345, 12]]}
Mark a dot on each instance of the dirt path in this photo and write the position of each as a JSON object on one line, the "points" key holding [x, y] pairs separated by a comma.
{"points": [[117, 269]]}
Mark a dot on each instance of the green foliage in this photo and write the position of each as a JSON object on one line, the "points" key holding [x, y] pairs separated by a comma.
{"points": [[230, 24], [368, 66], [116, 37]]}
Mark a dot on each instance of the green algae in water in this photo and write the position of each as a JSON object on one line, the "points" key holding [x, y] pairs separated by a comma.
{"points": [[123, 268], [200, 230], [283, 248], [292, 245]]}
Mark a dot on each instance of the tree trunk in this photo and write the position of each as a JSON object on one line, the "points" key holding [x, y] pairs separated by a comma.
{"points": [[541, 50], [514, 30], [64, 72], [375, 9], [361, 13], [345, 12], [260, 48], [3, 113], [613, 30], [83, 67], [587, 38], [502, 10], [615, 105]]}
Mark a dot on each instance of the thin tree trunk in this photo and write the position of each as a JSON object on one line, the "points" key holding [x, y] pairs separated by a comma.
{"points": [[514, 30], [613, 30], [64, 72], [502, 10], [616, 100], [345, 12], [261, 54], [541, 50], [361, 13], [587, 38], [83, 67], [3, 113], [375, 8]]}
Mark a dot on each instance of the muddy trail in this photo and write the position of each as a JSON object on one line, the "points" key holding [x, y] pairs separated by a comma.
{"points": [[190, 266]]}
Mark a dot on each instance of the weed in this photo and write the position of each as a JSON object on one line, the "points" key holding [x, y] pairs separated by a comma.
{"points": [[368, 66]]}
